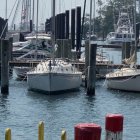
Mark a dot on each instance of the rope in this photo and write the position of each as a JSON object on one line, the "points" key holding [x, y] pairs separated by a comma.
{"points": [[104, 84], [85, 70], [125, 79]]}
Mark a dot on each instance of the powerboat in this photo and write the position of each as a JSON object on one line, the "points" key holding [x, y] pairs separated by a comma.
{"points": [[124, 30], [34, 51]]}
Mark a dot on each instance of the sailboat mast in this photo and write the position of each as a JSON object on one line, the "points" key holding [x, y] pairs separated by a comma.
{"points": [[90, 21], [36, 29], [33, 13], [83, 19], [37, 18], [6, 9], [94, 16], [135, 25], [53, 27]]}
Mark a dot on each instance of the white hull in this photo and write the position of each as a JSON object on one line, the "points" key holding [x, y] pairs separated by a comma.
{"points": [[129, 84], [124, 79], [51, 82], [119, 41], [21, 72]]}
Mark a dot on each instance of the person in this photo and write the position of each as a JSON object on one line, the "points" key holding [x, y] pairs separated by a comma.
{"points": [[43, 44]]}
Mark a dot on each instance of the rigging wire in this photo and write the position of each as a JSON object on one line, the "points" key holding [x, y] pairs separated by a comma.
{"points": [[12, 23], [8, 19]]}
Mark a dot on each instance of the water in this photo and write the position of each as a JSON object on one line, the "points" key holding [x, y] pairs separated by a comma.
{"points": [[22, 110]]}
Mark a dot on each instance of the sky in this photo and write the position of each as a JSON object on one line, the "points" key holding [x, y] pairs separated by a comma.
{"points": [[44, 8]]}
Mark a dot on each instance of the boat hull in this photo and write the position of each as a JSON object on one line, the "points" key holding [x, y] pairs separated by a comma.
{"points": [[21, 72], [126, 83], [52, 82]]}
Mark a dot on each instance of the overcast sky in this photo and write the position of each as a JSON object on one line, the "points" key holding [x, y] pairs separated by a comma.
{"points": [[44, 7]]}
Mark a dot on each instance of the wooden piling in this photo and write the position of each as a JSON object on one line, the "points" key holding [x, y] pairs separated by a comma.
{"points": [[91, 77], [67, 24], [86, 61], [31, 26], [10, 48], [4, 66], [64, 48], [78, 28], [73, 28]]}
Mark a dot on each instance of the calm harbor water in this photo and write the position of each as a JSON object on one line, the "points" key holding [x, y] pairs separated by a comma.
{"points": [[22, 110]]}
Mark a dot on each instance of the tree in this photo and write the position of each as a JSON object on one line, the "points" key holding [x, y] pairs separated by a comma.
{"points": [[108, 15]]}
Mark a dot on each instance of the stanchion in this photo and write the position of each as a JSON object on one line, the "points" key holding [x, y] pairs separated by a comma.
{"points": [[87, 131], [114, 126]]}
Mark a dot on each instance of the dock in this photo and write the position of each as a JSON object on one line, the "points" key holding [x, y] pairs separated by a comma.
{"points": [[81, 65], [101, 69]]}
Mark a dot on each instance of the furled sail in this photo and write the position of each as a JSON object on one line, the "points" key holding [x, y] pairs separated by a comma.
{"points": [[131, 60]]}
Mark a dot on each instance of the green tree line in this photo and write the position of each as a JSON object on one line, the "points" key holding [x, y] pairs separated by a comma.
{"points": [[108, 16]]}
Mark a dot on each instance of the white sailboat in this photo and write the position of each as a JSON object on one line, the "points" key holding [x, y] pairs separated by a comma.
{"points": [[126, 78], [124, 31], [51, 77], [54, 75]]}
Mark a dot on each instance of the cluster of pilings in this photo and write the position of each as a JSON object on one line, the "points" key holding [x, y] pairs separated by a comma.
{"points": [[63, 30]]}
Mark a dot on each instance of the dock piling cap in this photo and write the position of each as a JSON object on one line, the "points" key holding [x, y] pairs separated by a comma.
{"points": [[87, 131], [114, 122]]}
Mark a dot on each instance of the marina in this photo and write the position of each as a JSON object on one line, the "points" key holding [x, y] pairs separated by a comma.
{"points": [[64, 76], [66, 109]]}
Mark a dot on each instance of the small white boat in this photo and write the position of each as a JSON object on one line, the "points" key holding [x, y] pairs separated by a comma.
{"points": [[39, 42], [49, 77], [119, 38], [100, 57], [126, 79], [34, 51], [21, 72]]}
